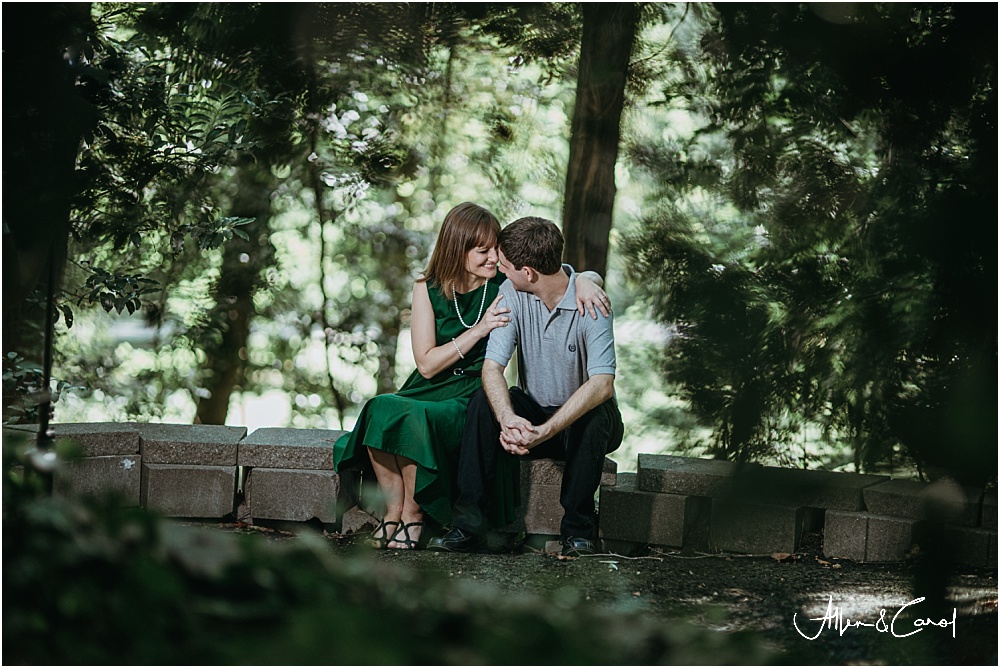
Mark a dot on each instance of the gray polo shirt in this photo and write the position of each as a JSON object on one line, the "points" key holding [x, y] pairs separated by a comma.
{"points": [[558, 351]]}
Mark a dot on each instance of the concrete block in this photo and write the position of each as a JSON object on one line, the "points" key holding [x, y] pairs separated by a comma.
{"points": [[688, 476], [845, 535], [298, 495], [97, 439], [544, 471], [896, 498], [989, 516], [890, 538], [869, 538], [542, 512], [751, 528], [278, 448], [943, 501], [973, 547], [632, 515], [202, 444], [541, 482], [804, 488], [183, 490], [120, 475], [947, 501]]}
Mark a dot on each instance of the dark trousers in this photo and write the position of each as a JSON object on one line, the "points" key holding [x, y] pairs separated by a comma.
{"points": [[582, 446]]}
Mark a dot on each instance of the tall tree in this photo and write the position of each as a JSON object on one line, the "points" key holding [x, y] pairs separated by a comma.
{"points": [[609, 31], [252, 49], [48, 80], [805, 245], [95, 137], [244, 260]]}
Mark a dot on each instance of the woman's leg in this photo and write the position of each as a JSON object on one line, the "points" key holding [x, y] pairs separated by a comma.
{"points": [[390, 481], [411, 511]]}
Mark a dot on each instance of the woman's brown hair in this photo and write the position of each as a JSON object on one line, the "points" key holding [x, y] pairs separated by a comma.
{"points": [[467, 226]]}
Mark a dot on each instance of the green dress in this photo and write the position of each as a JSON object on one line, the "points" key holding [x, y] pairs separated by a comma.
{"points": [[424, 420]]}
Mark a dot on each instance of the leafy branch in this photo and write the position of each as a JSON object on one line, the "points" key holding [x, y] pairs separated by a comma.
{"points": [[120, 292]]}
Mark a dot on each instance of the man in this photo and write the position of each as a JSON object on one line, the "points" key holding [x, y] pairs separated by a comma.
{"points": [[564, 405]]}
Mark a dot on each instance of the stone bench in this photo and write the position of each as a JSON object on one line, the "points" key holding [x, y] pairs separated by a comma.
{"points": [[189, 470], [901, 514], [699, 504], [707, 504], [193, 471], [942, 500], [289, 476], [109, 463], [633, 517], [541, 481]]}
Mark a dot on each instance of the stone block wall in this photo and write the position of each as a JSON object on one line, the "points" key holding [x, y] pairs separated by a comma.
{"points": [[189, 470], [290, 476], [110, 460], [676, 502], [194, 471], [540, 482]]}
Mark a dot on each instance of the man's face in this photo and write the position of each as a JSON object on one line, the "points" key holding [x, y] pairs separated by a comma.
{"points": [[516, 277]]}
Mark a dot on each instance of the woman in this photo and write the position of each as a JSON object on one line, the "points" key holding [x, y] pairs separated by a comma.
{"points": [[412, 437]]}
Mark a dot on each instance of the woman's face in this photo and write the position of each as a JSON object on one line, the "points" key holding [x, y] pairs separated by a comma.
{"points": [[481, 261]]}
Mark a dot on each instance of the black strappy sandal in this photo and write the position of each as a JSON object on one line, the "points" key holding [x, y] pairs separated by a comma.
{"points": [[410, 543], [375, 541]]}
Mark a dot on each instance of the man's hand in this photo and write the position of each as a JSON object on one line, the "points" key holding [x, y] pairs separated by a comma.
{"points": [[511, 447], [516, 434]]}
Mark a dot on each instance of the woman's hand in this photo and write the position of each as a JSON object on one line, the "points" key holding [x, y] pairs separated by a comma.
{"points": [[591, 297], [494, 317]]}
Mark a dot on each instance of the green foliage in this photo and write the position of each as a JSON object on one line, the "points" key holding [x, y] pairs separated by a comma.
{"points": [[87, 581], [118, 292], [804, 242], [218, 232], [545, 33], [361, 152], [163, 130]]}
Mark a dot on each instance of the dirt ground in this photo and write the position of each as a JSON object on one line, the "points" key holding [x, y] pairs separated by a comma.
{"points": [[761, 595]]}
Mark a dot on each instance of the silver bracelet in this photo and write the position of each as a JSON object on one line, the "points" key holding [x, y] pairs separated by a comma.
{"points": [[455, 343]]}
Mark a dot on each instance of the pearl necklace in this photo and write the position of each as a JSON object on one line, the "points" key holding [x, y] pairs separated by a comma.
{"points": [[482, 304]]}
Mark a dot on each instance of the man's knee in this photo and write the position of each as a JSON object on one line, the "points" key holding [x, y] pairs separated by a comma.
{"points": [[603, 428]]}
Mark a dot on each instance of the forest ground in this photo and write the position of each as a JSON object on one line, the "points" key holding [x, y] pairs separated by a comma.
{"points": [[731, 593]]}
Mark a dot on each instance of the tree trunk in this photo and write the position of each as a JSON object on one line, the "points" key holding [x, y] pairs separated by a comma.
{"points": [[608, 33], [242, 262], [44, 118]]}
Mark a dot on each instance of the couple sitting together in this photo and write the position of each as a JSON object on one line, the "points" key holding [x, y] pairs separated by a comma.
{"points": [[454, 431]]}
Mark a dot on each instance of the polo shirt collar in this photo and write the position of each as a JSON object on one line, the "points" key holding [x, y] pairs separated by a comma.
{"points": [[568, 301]]}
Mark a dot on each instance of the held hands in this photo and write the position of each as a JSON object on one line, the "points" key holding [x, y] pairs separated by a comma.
{"points": [[518, 435], [590, 297], [494, 317]]}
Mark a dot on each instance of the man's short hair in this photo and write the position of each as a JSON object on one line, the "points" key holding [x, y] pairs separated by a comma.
{"points": [[533, 242]]}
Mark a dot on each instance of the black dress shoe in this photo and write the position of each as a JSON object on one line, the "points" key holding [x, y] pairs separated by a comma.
{"points": [[455, 540], [575, 546]]}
